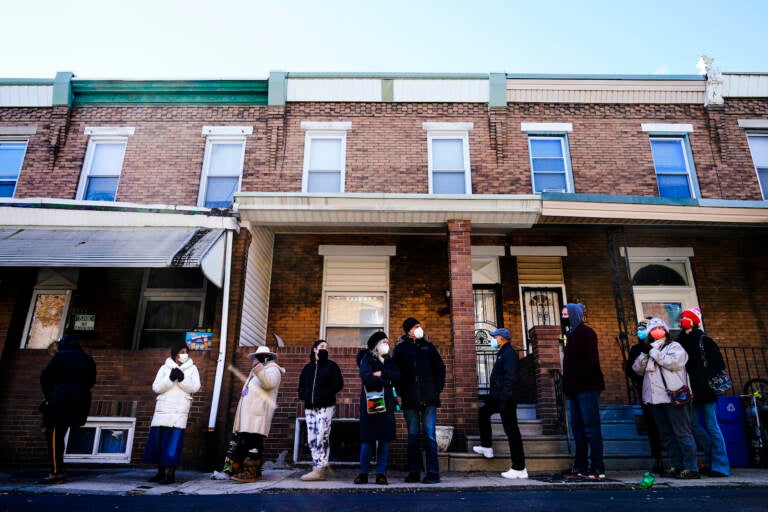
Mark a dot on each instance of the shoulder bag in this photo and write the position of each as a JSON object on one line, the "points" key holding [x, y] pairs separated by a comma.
{"points": [[680, 396], [375, 402], [720, 382]]}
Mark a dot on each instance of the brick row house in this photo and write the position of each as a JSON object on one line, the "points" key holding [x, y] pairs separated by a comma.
{"points": [[330, 206]]}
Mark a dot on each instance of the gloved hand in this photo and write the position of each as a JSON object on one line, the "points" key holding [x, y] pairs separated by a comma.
{"points": [[646, 348], [179, 375], [176, 374], [657, 344]]}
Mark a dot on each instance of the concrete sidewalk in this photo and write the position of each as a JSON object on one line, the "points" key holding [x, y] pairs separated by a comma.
{"points": [[130, 481]]}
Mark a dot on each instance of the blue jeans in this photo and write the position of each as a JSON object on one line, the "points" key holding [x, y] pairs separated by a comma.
{"points": [[422, 419], [382, 454], [587, 433], [675, 430], [709, 437]]}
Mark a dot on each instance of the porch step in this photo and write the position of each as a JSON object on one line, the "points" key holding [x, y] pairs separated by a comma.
{"points": [[466, 462], [533, 444], [527, 427]]}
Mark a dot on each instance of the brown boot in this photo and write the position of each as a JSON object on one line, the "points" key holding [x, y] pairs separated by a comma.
{"points": [[316, 475], [251, 471]]}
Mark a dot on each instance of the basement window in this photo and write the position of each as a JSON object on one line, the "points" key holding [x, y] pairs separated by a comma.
{"points": [[101, 440]]}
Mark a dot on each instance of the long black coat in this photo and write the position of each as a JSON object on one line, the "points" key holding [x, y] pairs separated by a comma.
{"points": [[698, 375], [422, 372], [377, 427], [67, 381]]}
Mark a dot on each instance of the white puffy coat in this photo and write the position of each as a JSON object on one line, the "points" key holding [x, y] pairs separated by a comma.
{"points": [[174, 398], [669, 358], [259, 399]]}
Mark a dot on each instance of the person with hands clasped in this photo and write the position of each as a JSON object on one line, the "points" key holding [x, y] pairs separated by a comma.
{"points": [[174, 384], [378, 374], [662, 365]]}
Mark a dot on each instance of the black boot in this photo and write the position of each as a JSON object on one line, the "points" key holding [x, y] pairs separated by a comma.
{"points": [[159, 476]]}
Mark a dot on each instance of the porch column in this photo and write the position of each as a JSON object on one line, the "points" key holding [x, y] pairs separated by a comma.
{"points": [[545, 350], [463, 330]]}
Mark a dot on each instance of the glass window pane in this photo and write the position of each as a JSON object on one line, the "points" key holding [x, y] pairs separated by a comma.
{"points": [[668, 156], [324, 182], [107, 159], [112, 440], [667, 311], [762, 175], [7, 188], [758, 145], [447, 154], [349, 336], [325, 155], [172, 314], [448, 183], [220, 191], [548, 164], [101, 189], [549, 182], [186, 278], [355, 310], [225, 159], [46, 319], [546, 148], [673, 185], [11, 158], [80, 441]]}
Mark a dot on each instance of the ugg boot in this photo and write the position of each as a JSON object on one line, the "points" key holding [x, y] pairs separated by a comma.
{"points": [[316, 475], [251, 471]]}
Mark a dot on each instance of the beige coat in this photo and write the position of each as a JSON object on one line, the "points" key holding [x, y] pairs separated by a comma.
{"points": [[670, 359], [259, 399]]}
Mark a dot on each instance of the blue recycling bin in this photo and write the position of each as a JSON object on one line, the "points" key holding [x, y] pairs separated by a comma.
{"points": [[730, 417]]}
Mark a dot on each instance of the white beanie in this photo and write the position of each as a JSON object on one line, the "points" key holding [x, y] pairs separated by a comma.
{"points": [[656, 322]]}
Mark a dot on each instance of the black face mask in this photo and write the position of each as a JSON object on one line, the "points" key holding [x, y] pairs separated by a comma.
{"points": [[322, 355], [263, 358]]}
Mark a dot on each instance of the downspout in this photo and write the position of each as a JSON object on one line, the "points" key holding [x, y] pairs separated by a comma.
{"points": [[223, 338]]}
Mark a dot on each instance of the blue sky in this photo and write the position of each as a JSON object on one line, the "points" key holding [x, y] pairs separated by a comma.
{"points": [[139, 39]]}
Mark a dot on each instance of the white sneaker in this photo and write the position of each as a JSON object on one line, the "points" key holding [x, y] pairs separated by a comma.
{"points": [[513, 473], [485, 452]]}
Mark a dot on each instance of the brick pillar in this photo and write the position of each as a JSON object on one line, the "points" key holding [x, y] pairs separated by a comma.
{"points": [[464, 376], [545, 347]]}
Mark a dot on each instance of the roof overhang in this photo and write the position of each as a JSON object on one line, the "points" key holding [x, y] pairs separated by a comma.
{"points": [[386, 211]]}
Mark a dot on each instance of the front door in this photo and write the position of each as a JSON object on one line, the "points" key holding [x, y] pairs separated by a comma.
{"points": [[487, 318], [541, 306]]}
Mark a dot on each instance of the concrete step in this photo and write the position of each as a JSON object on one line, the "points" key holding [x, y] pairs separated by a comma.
{"points": [[619, 429], [465, 462], [540, 444], [527, 427], [619, 412]]}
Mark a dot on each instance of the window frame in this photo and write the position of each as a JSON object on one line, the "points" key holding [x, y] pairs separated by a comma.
{"points": [[319, 130], [762, 135], [100, 423], [97, 136], [448, 134], [43, 290], [567, 171], [221, 135], [12, 140], [671, 131], [324, 324]]}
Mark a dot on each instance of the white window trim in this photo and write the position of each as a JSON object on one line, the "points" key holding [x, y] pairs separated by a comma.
{"points": [[653, 253], [667, 128], [102, 135], [326, 125], [11, 139], [546, 127], [761, 134], [357, 250], [221, 135], [101, 422], [480, 251], [166, 294], [17, 131], [538, 250], [449, 131], [311, 135], [563, 138], [693, 180], [42, 290], [756, 124], [324, 324], [548, 286]]}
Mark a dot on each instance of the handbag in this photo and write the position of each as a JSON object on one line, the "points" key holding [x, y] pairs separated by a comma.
{"points": [[678, 397], [720, 382], [375, 402]]}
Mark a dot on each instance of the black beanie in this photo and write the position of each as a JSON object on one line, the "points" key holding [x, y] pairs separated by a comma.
{"points": [[409, 323], [375, 339], [176, 349]]}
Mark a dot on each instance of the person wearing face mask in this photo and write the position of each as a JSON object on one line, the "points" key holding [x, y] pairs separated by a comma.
{"points": [[704, 362], [174, 384], [637, 381], [505, 393], [662, 365], [319, 382], [422, 378], [582, 383], [378, 373]]}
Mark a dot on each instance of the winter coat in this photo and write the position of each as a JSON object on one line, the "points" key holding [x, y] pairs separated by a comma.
{"points": [[581, 364], [66, 382], [258, 400], [174, 398], [697, 373], [669, 358], [505, 376], [377, 427], [318, 384], [422, 372]]}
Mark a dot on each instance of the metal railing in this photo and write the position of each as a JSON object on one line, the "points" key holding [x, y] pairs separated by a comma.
{"points": [[744, 364], [486, 357]]}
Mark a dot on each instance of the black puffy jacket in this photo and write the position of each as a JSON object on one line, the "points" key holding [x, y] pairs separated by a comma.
{"points": [[422, 372], [697, 373], [318, 384], [505, 376]]}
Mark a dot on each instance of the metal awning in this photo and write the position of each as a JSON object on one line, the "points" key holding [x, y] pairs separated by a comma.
{"points": [[120, 248]]}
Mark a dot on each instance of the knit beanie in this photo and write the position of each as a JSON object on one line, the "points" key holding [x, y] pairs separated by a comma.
{"points": [[657, 322], [176, 349], [694, 314], [375, 339], [409, 323]]}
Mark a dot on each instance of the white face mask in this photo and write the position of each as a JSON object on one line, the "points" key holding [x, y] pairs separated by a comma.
{"points": [[183, 358], [418, 333], [382, 349]]}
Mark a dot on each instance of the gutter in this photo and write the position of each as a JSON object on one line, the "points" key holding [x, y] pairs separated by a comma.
{"points": [[223, 337]]}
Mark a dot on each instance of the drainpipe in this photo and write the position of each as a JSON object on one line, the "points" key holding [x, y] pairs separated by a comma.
{"points": [[223, 337]]}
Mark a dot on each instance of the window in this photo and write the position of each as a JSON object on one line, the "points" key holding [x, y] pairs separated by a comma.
{"points": [[171, 304], [103, 163], [758, 146], [11, 158], [355, 293], [222, 164], [675, 173], [325, 146], [49, 307], [101, 439], [448, 158], [549, 163]]}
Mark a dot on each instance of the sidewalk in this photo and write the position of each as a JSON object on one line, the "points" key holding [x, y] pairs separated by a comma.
{"points": [[129, 481]]}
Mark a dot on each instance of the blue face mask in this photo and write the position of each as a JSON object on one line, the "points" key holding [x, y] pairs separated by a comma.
{"points": [[642, 334], [494, 343]]}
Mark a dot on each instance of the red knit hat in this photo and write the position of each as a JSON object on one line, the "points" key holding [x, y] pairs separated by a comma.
{"points": [[694, 314]]}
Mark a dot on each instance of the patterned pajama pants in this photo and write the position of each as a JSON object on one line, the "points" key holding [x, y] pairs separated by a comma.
{"points": [[318, 432]]}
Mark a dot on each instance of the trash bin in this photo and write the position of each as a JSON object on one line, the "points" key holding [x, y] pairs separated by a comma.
{"points": [[730, 417]]}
